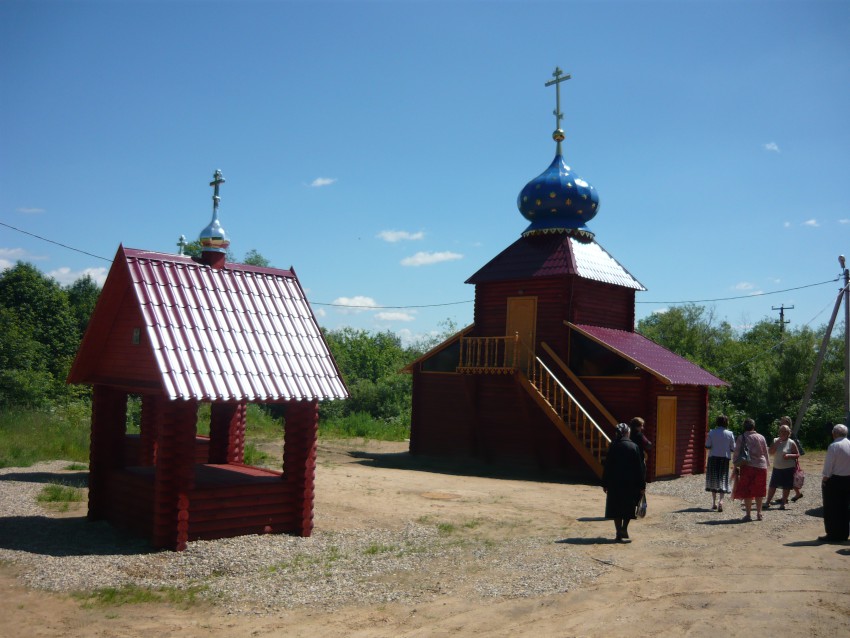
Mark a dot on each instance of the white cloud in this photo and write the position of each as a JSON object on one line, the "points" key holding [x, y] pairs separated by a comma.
{"points": [[322, 181], [812, 223], [320, 312], [66, 276], [12, 253], [744, 285], [660, 311], [30, 211], [844, 221], [8, 257], [786, 225], [772, 146], [394, 316], [355, 304], [426, 259], [393, 236]]}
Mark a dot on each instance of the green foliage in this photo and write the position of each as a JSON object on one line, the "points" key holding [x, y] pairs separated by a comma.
{"points": [[38, 338], [59, 493], [768, 369], [692, 332], [253, 258], [364, 426], [381, 394], [28, 436], [134, 595], [82, 298]]}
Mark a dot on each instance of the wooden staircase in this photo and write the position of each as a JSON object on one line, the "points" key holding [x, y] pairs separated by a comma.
{"points": [[507, 355]]}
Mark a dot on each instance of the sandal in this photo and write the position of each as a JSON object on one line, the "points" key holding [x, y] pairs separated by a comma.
{"points": [[758, 517], [794, 499], [720, 507], [782, 506], [747, 518]]}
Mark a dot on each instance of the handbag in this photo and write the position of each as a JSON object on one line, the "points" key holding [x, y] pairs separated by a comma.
{"points": [[640, 512], [744, 455], [799, 476]]}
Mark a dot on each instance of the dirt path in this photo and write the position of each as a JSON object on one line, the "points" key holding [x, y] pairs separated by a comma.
{"points": [[689, 571]]}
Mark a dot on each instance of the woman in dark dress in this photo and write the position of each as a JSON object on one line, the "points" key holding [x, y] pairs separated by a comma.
{"points": [[623, 480]]}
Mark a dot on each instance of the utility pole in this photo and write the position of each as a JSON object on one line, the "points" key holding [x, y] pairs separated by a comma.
{"points": [[843, 294], [782, 320], [846, 274]]}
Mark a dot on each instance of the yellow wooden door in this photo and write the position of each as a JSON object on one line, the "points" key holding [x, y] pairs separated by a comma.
{"points": [[665, 433], [522, 321]]}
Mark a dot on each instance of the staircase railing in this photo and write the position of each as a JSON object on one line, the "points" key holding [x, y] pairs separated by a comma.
{"points": [[507, 355], [569, 410]]}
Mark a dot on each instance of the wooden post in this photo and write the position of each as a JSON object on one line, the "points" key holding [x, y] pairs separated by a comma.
{"points": [[106, 452], [148, 432], [299, 460], [175, 472], [227, 433]]}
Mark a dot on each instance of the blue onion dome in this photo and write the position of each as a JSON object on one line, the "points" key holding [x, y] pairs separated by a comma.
{"points": [[558, 201]]}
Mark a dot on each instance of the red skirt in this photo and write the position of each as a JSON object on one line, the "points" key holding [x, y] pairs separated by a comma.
{"points": [[751, 483]]}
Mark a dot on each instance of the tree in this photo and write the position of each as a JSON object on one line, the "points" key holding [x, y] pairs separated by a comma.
{"points": [[254, 258], [82, 297], [39, 336], [370, 364], [692, 332]]}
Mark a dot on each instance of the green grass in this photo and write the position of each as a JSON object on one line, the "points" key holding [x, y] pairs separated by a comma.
{"points": [[59, 497], [364, 426], [28, 436], [59, 493], [136, 595], [377, 548]]}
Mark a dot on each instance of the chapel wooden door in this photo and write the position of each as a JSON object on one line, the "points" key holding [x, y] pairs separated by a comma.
{"points": [[665, 433], [522, 321]]}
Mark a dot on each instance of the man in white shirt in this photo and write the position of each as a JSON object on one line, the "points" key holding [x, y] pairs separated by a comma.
{"points": [[836, 487]]}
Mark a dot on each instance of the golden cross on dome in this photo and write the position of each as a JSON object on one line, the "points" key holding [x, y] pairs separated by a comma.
{"points": [[559, 76]]}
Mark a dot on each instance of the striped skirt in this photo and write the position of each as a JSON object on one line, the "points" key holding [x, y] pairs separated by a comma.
{"points": [[717, 475]]}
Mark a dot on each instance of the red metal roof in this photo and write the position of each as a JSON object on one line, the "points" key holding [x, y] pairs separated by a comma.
{"points": [[667, 366], [239, 333], [555, 255]]}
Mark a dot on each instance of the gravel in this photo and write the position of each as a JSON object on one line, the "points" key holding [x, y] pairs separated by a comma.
{"points": [[329, 570]]}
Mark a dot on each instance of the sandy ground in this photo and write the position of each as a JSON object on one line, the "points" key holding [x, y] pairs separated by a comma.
{"points": [[726, 578]]}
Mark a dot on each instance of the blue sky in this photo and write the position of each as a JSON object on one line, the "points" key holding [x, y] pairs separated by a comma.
{"points": [[379, 147]]}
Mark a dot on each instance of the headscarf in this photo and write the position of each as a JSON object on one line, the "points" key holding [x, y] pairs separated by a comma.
{"points": [[622, 431]]}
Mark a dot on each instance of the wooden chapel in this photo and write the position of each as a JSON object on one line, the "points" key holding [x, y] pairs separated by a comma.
{"points": [[552, 361], [178, 332]]}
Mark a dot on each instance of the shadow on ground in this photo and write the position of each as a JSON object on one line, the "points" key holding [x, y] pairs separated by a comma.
{"points": [[71, 536], [72, 479], [467, 466]]}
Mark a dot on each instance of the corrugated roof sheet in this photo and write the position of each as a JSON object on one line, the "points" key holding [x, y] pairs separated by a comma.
{"points": [[240, 333], [667, 366], [554, 255]]}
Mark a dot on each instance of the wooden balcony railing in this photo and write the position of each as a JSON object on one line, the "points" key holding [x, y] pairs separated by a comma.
{"points": [[494, 355]]}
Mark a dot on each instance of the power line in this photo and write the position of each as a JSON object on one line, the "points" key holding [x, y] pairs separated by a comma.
{"points": [[365, 307], [450, 303], [55, 242], [755, 294]]}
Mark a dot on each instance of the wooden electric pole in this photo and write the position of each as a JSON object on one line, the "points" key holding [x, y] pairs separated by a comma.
{"points": [[843, 294]]}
